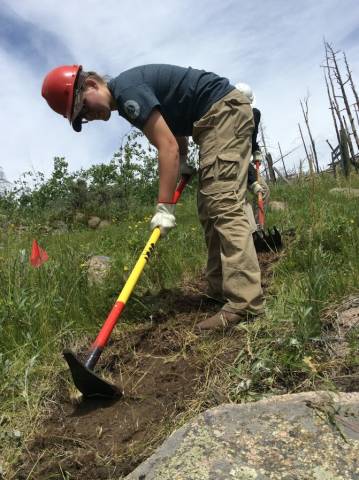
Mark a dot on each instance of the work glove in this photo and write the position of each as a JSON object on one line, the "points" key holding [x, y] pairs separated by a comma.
{"points": [[256, 187], [257, 156], [185, 169], [164, 218]]}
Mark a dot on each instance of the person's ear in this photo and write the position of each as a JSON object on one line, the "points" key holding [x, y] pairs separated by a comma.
{"points": [[91, 83]]}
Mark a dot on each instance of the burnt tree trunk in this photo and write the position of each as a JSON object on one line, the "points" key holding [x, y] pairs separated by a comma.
{"points": [[306, 151], [332, 109], [355, 93], [270, 167], [281, 156], [345, 152], [306, 119], [345, 98], [268, 157]]}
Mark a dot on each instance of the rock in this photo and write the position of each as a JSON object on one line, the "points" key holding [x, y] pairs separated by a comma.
{"points": [[349, 192], [93, 222], [350, 318], [98, 268], [342, 319], [311, 435], [46, 229], [277, 206], [60, 227], [104, 224], [79, 217]]}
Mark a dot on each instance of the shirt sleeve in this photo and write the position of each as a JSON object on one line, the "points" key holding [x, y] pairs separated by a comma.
{"points": [[257, 119], [252, 174], [136, 104]]}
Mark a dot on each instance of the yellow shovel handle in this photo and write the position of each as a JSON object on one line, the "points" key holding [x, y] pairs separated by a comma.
{"points": [[140, 265]]}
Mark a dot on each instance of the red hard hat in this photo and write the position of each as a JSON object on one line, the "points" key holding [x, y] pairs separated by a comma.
{"points": [[59, 89]]}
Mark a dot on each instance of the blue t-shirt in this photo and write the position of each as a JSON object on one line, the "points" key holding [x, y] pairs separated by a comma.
{"points": [[182, 95]]}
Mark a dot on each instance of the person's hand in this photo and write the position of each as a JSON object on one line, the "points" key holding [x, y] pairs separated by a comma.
{"points": [[186, 169], [164, 218], [256, 187], [257, 156]]}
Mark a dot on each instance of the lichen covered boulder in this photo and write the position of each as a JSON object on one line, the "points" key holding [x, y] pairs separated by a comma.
{"points": [[302, 436]]}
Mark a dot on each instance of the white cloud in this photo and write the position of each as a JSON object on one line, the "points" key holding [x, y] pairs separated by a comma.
{"points": [[276, 46]]}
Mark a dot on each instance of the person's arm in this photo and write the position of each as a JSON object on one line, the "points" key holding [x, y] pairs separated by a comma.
{"points": [[252, 174], [182, 145], [185, 168], [159, 134]]}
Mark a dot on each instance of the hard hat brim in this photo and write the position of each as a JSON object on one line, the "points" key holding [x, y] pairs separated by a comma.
{"points": [[78, 103]]}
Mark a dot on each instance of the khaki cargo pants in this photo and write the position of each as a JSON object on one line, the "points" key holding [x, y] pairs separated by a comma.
{"points": [[224, 138]]}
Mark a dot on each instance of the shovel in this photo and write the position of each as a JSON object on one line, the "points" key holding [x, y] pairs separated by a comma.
{"points": [[265, 241], [85, 379]]}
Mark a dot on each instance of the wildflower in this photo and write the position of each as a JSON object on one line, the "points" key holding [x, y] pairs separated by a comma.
{"points": [[125, 268]]}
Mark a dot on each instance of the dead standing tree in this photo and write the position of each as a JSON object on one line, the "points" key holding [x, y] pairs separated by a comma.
{"points": [[306, 119], [309, 158], [282, 158], [355, 93], [333, 108], [336, 114], [331, 57], [343, 133], [268, 157], [350, 145]]}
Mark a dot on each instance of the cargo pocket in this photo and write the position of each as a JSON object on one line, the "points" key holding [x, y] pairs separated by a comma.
{"points": [[244, 124], [204, 135], [207, 171], [227, 168], [219, 173]]}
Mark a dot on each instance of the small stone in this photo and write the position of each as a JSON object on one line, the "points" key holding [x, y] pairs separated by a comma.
{"points": [[60, 227], [104, 224], [98, 268], [93, 222], [349, 318], [79, 217], [353, 192], [277, 206]]}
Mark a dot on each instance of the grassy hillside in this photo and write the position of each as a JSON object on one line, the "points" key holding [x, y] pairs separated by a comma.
{"points": [[42, 310]]}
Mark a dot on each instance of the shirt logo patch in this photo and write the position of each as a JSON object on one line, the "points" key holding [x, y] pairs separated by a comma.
{"points": [[132, 109]]}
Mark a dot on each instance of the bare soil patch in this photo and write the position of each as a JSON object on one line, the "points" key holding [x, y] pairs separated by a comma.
{"points": [[168, 373]]}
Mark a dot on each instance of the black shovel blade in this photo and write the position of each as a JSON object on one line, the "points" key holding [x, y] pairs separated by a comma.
{"points": [[89, 384], [270, 241]]}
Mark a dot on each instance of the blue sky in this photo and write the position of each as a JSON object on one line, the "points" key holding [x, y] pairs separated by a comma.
{"points": [[275, 45]]}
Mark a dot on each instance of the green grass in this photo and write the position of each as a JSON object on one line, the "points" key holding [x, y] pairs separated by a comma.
{"points": [[320, 266], [43, 309]]}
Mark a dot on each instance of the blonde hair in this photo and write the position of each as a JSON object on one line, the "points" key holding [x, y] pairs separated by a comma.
{"points": [[95, 76]]}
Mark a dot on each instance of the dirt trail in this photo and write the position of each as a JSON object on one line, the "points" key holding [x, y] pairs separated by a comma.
{"points": [[164, 369]]}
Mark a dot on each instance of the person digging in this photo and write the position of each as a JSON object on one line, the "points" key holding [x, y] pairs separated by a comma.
{"points": [[254, 185], [168, 104]]}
